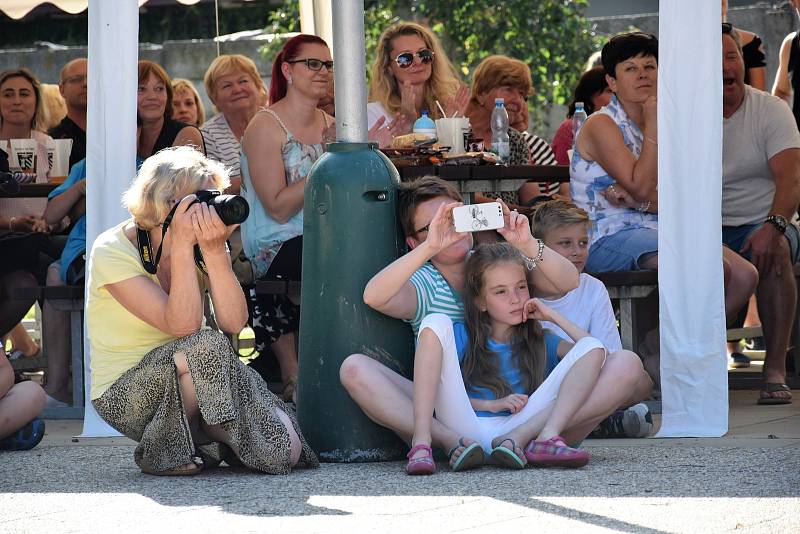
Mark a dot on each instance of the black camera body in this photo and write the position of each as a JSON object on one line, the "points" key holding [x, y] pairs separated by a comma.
{"points": [[232, 209]]}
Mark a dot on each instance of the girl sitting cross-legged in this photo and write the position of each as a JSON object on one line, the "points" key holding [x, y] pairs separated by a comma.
{"points": [[502, 383]]}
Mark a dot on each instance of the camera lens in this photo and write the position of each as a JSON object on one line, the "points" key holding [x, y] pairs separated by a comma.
{"points": [[232, 209]]}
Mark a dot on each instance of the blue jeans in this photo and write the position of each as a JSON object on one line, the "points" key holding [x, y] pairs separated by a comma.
{"points": [[734, 237], [622, 251]]}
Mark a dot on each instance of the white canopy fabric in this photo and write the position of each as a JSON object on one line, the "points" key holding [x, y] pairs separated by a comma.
{"points": [[111, 138], [16, 9], [694, 379]]}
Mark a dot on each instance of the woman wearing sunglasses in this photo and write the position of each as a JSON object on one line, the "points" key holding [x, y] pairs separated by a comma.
{"points": [[279, 146], [410, 73]]}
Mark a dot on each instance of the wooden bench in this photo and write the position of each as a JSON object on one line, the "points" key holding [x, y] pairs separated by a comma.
{"points": [[68, 299], [631, 288]]}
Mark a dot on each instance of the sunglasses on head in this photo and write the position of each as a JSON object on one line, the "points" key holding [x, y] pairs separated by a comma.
{"points": [[727, 27], [314, 64], [406, 59]]}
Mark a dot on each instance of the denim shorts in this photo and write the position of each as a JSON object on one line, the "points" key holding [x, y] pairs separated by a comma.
{"points": [[734, 237], [622, 251]]}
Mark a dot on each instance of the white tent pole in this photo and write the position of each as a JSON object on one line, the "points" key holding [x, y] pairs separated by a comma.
{"points": [[694, 379], [110, 139]]}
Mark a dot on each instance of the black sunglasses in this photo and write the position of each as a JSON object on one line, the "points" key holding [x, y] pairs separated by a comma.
{"points": [[314, 64], [405, 59]]}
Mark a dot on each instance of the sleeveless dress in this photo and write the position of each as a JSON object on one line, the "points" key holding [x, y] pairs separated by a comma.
{"points": [[264, 239]]}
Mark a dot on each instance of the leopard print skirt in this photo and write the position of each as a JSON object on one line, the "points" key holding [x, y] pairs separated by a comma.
{"points": [[145, 405]]}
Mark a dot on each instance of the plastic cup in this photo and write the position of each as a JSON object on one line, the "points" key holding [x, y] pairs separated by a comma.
{"points": [[450, 133], [22, 157], [58, 151]]}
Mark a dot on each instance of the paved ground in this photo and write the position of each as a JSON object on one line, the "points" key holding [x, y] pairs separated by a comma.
{"points": [[748, 481]]}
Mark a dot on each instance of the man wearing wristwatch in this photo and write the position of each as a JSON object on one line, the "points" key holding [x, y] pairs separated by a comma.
{"points": [[760, 195]]}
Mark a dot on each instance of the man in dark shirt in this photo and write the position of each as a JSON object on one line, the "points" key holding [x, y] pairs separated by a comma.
{"points": [[73, 88]]}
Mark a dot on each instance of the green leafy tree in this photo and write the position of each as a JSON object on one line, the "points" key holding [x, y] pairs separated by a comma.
{"points": [[552, 36]]}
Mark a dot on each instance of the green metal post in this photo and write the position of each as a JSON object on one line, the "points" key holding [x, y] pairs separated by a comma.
{"points": [[350, 232]]}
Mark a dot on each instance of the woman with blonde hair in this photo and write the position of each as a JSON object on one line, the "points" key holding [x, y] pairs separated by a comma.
{"points": [[234, 86], [186, 104], [158, 376], [410, 73], [54, 105]]}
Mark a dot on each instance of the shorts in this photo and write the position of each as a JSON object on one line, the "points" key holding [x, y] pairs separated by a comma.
{"points": [[734, 237], [622, 251]]}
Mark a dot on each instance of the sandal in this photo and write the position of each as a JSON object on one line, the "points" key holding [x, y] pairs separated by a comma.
{"points": [[420, 466], [290, 390], [766, 396], [175, 471], [471, 457], [507, 457], [554, 452]]}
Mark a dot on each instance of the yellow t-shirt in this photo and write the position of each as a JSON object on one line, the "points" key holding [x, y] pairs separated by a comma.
{"points": [[119, 339]]}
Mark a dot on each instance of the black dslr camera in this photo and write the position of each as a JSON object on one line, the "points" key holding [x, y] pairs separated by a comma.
{"points": [[232, 209]]}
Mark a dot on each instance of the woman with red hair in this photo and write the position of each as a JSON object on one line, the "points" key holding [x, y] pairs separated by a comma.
{"points": [[279, 147]]}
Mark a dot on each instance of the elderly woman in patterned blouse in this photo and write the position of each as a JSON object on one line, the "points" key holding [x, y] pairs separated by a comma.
{"points": [[614, 171], [509, 79]]}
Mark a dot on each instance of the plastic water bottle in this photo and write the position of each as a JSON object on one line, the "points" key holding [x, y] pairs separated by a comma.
{"points": [[578, 118], [500, 144], [425, 126]]}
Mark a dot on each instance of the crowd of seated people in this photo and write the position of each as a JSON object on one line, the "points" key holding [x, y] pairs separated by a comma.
{"points": [[561, 374]]}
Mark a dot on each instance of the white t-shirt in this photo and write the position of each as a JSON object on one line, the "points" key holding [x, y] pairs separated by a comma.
{"points": [[375, 111], [589, 307], [762, 127]]}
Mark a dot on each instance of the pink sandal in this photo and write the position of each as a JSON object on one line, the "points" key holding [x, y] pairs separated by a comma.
{"points": [[423, 465], [554, 452]]}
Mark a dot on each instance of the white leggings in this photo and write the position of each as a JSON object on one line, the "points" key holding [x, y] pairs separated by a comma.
{"points": [[452, 406]]}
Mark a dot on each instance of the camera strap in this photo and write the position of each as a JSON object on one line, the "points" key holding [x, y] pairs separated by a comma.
{"points": [[149, 262]]}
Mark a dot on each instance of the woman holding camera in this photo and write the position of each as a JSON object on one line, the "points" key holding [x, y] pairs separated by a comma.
{"points": [[158, 376], [279, 147]]}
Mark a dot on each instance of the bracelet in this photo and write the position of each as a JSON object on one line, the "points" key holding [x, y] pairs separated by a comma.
{"points": [[530, 263], [11, 223], [644, 206], [648, 139]]}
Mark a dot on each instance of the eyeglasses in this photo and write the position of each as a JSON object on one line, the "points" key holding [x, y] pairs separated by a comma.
{"points": [[727, 27], [406, 59], [314, 64], [78, 78]]}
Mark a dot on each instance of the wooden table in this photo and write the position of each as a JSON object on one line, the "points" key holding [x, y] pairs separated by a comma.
{"points": [[30, 191], [479, 178]]}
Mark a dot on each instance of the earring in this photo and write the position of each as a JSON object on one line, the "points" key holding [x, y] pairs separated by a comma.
{"points": [[289, 80]]}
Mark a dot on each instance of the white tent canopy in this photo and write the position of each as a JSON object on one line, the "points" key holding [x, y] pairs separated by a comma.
{"points": [[693, 373], [16, 9]]}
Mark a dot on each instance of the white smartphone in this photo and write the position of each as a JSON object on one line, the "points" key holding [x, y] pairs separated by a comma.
{"points": [[478, 217]]}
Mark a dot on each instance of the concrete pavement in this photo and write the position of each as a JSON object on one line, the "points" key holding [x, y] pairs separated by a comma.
{"points": [[748, 481]]}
